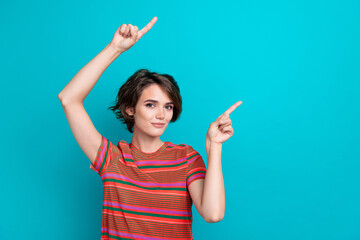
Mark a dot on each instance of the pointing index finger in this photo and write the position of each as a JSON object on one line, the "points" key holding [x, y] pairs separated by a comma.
{"points": [[147, 27], [233, 107]]}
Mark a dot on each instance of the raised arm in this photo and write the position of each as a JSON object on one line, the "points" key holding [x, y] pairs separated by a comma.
{"points": [[208, 194], [82, 83], [75, 92]]}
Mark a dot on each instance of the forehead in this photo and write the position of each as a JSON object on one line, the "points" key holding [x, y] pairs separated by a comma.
{"points": [[154, 91]]}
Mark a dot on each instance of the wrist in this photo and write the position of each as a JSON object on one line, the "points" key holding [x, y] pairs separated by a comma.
{"points": [[114, 48], [210, 143]]}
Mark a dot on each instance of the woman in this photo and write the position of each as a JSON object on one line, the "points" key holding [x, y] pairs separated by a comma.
{"points": [[149, 185]]}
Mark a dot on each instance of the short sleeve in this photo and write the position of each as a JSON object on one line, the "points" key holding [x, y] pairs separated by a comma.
{"points": [[196, 166], [103, 156]]}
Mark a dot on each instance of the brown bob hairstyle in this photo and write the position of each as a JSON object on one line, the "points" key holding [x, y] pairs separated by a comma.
{"points": [[130, 92]]}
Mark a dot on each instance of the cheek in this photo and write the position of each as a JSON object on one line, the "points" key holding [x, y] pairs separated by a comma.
{"points": [[146, 114], [142, 118], [170, 115]]}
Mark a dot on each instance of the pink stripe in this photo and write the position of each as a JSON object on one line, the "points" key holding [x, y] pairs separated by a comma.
{"points": [[148, 209], [194, 158], [173, 193], [169, 162], [127, 155], [168, 221], [102, 153], [144, 184], [137, 236], [199, 175]]}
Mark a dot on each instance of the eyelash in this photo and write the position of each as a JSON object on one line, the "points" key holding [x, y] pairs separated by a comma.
{"points": [[153, 104]]}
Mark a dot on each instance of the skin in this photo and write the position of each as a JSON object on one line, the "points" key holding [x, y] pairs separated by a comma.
{"points": [[127, 35], [75, 92], [221, 130], [207, 194], [146, 136]]}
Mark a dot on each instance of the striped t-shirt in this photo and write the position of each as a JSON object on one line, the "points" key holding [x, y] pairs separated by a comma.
{"points": [[145, 195]]}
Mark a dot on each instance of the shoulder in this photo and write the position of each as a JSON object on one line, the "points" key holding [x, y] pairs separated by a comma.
{"points": [[183, 147], [123, 142], [115, 150], [123, 146], [180, 146], [179, 149]]}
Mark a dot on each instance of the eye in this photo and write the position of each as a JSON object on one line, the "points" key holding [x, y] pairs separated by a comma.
{"points": [[169, 107], [149, 105]]}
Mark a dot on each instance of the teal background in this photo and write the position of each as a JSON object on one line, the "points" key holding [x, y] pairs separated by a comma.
{"points": [[291, 169]]}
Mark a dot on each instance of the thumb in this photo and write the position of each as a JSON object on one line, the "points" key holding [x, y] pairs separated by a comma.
{"points": [[134, 33], [222, 120]]}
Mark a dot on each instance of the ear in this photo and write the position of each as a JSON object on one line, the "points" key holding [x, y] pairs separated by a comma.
{"points": [[130, 111]]}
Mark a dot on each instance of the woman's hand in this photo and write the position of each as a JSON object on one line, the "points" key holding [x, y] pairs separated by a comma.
{"points": [[221, 130], [127, 35]]}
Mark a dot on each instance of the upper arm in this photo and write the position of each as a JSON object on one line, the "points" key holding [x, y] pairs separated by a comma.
{"points": [[195, 179], [196, 189], [84, 131]]}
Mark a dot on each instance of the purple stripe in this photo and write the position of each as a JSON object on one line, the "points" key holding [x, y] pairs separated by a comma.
{"points": [[185, 213], [162, 161], [190, 161], [143, 183], [129, 234], [127, 156], [102, 153], [196, 176]]}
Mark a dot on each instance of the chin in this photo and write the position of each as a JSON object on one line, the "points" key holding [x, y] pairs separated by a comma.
{"points": [[159, 132]]}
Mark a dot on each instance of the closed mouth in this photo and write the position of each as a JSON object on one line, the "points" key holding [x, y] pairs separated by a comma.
{"points": [[158, 124]]}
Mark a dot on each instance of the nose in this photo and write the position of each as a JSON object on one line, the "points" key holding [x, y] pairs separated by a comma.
{"points": [[160, 114]]}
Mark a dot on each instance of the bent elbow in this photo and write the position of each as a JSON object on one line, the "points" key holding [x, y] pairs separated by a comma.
{"points": [[214, 219]]}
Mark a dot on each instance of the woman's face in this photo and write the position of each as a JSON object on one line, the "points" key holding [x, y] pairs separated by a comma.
{"points": [[153, 107]]}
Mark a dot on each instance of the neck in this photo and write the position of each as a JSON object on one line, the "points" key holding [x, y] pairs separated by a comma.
{"points": [[146, 143]]}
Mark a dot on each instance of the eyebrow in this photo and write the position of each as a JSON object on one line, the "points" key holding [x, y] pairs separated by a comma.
{"points": [[152, 100]]}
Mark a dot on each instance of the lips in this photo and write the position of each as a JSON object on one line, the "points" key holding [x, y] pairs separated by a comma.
{"points": [[158, 125]]}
